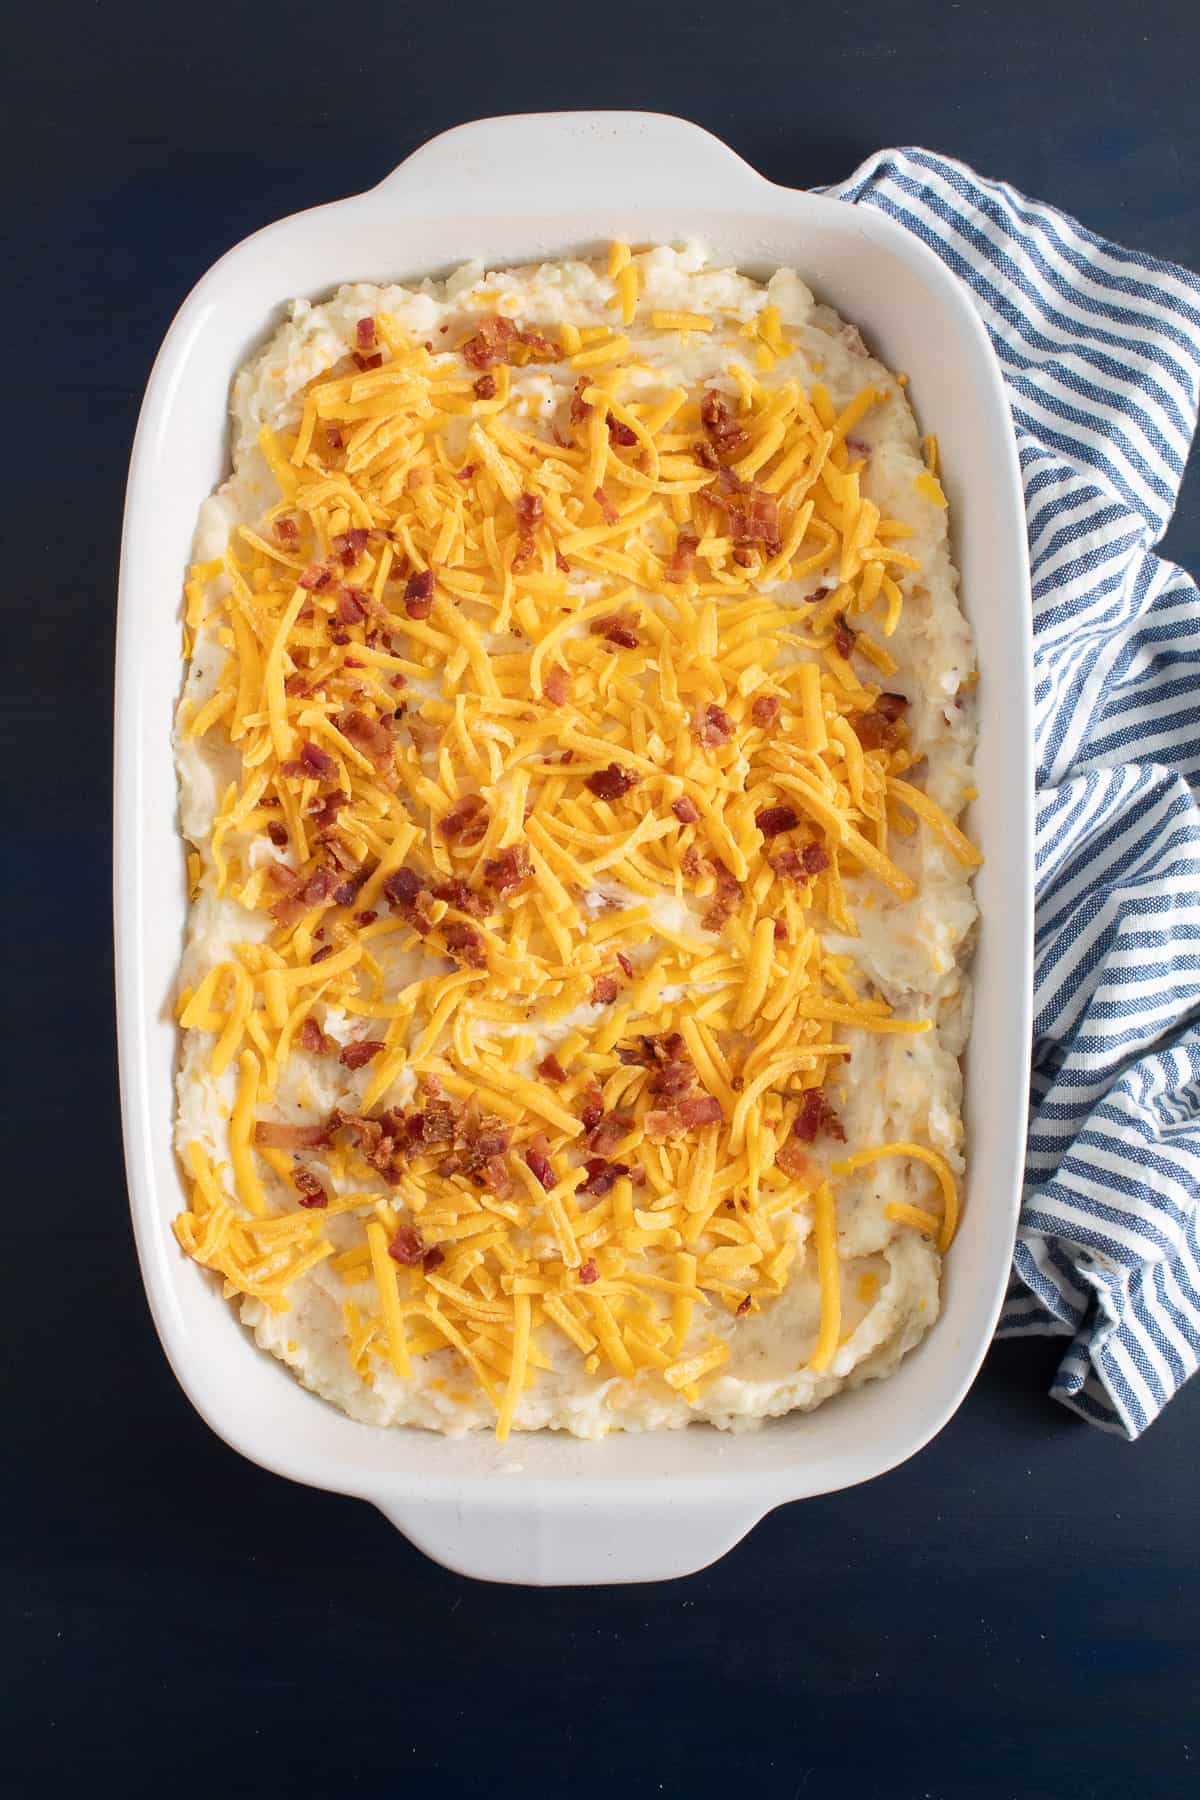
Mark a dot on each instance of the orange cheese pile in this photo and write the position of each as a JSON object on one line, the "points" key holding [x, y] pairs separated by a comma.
{"points": [[438, 467]]}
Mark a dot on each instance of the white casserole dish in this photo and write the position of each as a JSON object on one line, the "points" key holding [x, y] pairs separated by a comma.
{"points": [[546, 1508]]}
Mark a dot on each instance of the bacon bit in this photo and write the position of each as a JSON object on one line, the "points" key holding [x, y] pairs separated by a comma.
{"points": [[508, 869], [402, 887], [605, 989], [816, 858], [580, 408], [618, 628], [556, 685], [350, 609], [311, 1191], [608, 511], [713, 726], [364, 334], [816, 1116], [602, 1175], [705, 455], [625, 963], [466, 823], [371, 737], [773, 820], [724, 903], [311, 1038], [588, 1272], [796, 1162], [349, 545], [418, 595], [424, 734], [878, 728], [743, 1307], [496, 1177], [287, 532], [683, 556], [673, 1079], [433, 1259], [357, 1056], [538, 1161], [753, 518], [892, 706], [320, 955], [724, 433], [368, 362], [765, 711], [691, 864], [490, 343], [610, 1131], [333, 437], [561, 562], [781, 932], [685, 810], [485, 387], [324, 811], [365, 918], [407, 1247], [296, 688], [695, 1114], [550, 1069], [529, 509], [277, 834], [621, 434], [844, 637], [465, 943], [273, 1134], [611, 783], [311, 764], [591, 1105], [456, 893]]}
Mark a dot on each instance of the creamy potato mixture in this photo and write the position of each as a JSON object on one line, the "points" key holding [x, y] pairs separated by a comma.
{"points": [[577, 716]]}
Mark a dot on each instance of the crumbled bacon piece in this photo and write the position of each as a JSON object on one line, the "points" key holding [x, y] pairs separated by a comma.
{"points": [[602, 1176], [358, 1055], [878, 729], [772, 820], [605, 989], [685, 810], [765, 711], [892, 706], [580, 408], [672, 1079], [406, 891], [550, 1069], [795, 1161], [743, 1306], [508, 869], [349, 545], [310, 1189], [591, 1105], [683, 556], [490, 343], [610, 783], [691, 863], [608, 511], [325, 810], [705, 455], [407, 1247], [608, 1132], [626, 965], [418, 595], [753, 519], [311, 764], [296, 688], [274, 1134], [588, 1272], [817, 1117], [368, 362], [465, 943], [712, 726], [424, 733], [372, 737], [311, 1038], [466, 823], [844, 636], [724, 433], [350, 609], [538, 1161], [724, 902], [364, 334], [433, 1259], [530, 510], [619, 433], [556, 685], [365, 918], [618, 628], [485, 387], [455, 892], [287, 532], [695, 1114], [333, 436], [816, 858], [277, 834], [319, 956]]}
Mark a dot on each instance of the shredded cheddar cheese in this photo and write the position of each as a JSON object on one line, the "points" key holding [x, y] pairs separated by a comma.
{"points": [[523, 702]]}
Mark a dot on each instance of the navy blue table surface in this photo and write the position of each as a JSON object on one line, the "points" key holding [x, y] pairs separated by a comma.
{"points": [[1014, 1613]]}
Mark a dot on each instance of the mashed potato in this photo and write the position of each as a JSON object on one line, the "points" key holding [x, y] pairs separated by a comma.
{"points": [[418, 627]]}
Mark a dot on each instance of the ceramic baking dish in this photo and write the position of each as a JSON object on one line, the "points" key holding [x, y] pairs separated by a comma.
{"points": [[546, 1508]]}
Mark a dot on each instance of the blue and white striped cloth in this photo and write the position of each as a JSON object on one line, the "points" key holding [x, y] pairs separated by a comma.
{"points": [[1100, 349]]}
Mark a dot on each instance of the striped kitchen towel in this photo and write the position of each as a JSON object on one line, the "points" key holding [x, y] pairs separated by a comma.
{"points": [[1100, 349]]}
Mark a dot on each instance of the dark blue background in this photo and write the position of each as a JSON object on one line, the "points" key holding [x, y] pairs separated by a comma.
{"points": [[1013, 1613]]}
